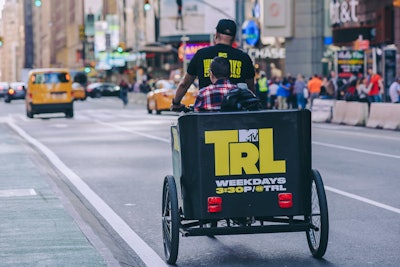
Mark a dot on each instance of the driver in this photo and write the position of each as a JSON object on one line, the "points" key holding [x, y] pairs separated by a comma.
{"points": [[241, 66]]}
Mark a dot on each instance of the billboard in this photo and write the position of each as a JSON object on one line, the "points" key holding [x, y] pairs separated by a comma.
{"points": [[349, 61], [193, 17]]}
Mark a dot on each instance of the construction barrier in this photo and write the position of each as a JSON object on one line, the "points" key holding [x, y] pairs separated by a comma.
{"points": [[384, 115], [356, 114], [339, 111], [322, 110], [350, 113]]}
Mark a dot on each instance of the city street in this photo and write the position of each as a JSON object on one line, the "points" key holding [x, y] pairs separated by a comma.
{"points": [[109, 163]]}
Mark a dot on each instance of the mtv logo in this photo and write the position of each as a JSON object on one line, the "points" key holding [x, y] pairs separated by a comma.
{"points": [[250, 135]]}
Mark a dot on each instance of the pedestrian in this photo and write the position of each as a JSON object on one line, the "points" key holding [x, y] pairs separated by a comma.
{"points": [[375, 86], [273, 89], [242, 69], [299, 86], [123, 91], [283, 93], [262, 89], [362, 89], [314, 88], [144, 87], [394, 91]]}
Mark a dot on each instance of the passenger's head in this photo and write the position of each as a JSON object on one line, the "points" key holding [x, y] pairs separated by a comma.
{"points": [[220, 69]]}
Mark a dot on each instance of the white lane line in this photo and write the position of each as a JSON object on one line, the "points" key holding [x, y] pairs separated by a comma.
{"points": [[363, 199], [357, 150], [144, 251], [134, 132]]}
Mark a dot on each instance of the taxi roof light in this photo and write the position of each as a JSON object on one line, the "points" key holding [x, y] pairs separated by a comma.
{"points": [[214, 204]]}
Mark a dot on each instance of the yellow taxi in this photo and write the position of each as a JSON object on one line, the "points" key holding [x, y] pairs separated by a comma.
{"points": [[160, 98], [78, 91], [49, 91]]}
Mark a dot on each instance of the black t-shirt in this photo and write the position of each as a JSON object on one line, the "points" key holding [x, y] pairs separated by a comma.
{"points": [[241, 65]]}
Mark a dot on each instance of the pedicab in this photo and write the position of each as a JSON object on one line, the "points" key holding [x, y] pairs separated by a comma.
{"points": [[243, 173]]}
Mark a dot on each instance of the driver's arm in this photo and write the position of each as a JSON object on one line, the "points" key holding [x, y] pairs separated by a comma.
{"points": [[250, 84], [183, 86]]}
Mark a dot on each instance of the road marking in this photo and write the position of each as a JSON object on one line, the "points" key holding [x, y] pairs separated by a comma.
{"points": [[18, 192], [363, 199], [134, 132], [144, 251], [357, 150]]}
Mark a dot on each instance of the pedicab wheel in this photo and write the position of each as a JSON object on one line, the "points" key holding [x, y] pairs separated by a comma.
{"points": [[317, 236], [170, 220]]}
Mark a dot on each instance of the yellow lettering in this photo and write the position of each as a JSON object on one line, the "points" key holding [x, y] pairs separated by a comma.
{"points": [[236, 68], [243, 156], [221, 140], [221, 54], [206, 67], [266, 146]]}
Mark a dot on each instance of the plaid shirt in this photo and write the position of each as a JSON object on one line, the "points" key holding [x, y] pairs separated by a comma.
{"points": [[210, 97]]}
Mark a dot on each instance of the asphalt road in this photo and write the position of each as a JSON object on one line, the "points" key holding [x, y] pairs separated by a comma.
{"points": [[123, 155]]}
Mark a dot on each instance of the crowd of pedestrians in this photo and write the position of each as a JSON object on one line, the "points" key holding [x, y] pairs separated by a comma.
{"points": [[299, 92]]}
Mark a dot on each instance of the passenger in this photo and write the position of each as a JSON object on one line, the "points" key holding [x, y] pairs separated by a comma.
{"points": [[241, 64], [210, 97]]}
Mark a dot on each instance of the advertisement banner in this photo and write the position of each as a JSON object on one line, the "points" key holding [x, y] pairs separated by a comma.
{"points": [[193, 16], [349, 61]]}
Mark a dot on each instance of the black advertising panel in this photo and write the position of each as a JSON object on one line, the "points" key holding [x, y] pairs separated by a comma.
{"points": [[246, 158], [349, 61]]}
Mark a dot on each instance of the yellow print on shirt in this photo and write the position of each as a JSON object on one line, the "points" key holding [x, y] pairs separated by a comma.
{"points": [[236, 67], [206, 66]]}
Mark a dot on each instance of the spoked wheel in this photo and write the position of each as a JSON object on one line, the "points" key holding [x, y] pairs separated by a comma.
{"points": [[170, 220], [317, 236]]}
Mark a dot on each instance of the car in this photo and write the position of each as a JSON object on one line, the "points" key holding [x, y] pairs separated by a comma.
{"points": [[49, 91], [99, 89], [160, 98], [17, 90], [4, 86], [78, 91]]}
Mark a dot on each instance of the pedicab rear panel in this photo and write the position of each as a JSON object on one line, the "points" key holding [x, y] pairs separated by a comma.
{"points": [[248, 160]]}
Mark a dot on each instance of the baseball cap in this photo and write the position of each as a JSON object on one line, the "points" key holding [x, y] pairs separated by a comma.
{"points": [[226, 26]]}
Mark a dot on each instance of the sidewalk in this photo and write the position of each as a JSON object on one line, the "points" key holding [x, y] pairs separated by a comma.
{"points": [[35, 229]]}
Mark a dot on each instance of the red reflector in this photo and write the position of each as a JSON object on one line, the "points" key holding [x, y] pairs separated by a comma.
{"points": [[214, 204], [285, 200]]}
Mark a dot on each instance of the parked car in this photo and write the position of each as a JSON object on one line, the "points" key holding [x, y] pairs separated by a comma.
{"points": [[160, 99], [17, 90], [100, 89], [78, 91], [4, 86]]}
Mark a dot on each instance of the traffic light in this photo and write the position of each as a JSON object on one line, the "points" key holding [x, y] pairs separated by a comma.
{"points": [[146, 5], [38, 3]]}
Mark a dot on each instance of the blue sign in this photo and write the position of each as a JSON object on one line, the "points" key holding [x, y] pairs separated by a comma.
{"points": [[251, 32]]}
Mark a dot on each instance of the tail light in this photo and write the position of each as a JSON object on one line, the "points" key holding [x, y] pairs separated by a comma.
{"points": [[285, 200], [214, 204], [11, 91]]}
